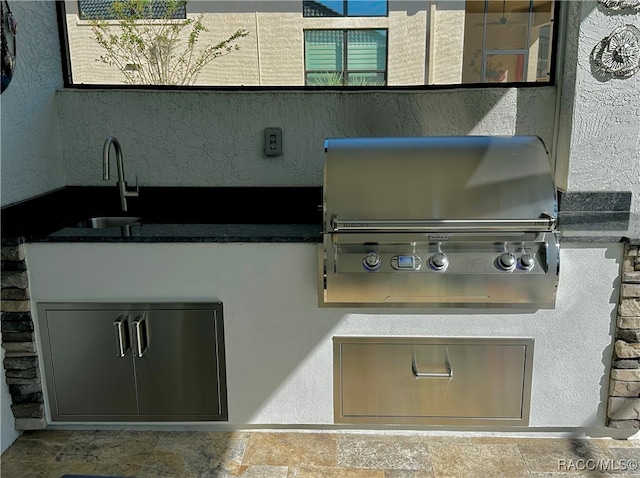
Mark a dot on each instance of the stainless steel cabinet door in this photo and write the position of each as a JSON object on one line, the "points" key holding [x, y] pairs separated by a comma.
{"points": [[176, 362], [90, 379], [433, 381]]}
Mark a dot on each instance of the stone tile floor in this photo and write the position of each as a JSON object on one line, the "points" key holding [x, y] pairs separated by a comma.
{"points": [[286, 454]]}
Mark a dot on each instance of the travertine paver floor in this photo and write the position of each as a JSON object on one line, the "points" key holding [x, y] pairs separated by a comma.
{"points": [[285, 454]]}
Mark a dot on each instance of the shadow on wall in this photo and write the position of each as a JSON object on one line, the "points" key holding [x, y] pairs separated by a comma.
{"points": [[566, 84], [426, 113], [608, 354]]}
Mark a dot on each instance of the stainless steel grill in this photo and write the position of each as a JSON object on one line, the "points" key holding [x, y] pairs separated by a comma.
{"points": [[443, 221]]}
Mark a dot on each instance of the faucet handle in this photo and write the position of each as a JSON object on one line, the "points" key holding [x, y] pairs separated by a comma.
{"points": [[132, 192]]}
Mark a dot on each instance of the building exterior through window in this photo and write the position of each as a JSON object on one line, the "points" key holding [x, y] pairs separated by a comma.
{"points": [[346, 42]]}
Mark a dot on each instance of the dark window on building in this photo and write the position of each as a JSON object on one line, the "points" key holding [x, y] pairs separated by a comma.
{"points": [[345, 8], [103, 9], [345, 57]]}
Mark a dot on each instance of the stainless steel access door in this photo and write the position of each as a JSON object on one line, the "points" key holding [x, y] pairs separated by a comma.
{"points": [[440, 381], [90, 379], [134, 362], [178, 371]]}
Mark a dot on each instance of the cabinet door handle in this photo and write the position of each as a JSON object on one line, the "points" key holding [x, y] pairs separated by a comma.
{"points": [[122, 336], [141, 338], [447, 375]]}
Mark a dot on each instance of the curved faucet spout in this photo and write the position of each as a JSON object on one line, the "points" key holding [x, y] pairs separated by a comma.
{"points": [[122, 183], [106, 149]]}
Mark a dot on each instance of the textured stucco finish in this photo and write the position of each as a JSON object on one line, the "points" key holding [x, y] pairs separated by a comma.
{"points": [[215, 139], [31, 152], [279, 342], [605, 138], [447, 42]]}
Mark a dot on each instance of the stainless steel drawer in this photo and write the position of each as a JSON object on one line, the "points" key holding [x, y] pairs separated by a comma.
{"points": [[398, 380]]}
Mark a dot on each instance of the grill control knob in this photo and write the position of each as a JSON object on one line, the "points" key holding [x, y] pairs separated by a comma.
{"points": [[439, 261], [372, 261], [507, 261], [527, 261]]}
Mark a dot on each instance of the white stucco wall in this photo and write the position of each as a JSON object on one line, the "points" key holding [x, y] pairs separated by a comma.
{"points": [[31, 154], [279, 342], [605, 121], [30, 151], [216, 138]]}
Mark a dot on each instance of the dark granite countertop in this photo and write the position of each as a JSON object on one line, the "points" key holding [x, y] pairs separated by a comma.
{"points": [[597, 217], [179, 214], [190, 233], [255, 215], [599, 227]]}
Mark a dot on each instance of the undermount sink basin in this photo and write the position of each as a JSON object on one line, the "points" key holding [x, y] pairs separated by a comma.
{"points": [[102, 222]]}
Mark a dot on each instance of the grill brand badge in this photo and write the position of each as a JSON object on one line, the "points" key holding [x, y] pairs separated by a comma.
{"points": [[438, 237], [355, 224]]}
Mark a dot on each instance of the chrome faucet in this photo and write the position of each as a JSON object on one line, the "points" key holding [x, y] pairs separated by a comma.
{"points": [[125, 192]]}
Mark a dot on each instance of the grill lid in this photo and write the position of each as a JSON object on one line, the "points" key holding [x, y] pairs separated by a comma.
{"points": [[473, 183]]}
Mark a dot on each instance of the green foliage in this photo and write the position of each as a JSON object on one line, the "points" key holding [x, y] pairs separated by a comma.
{"points": [[152, 50], [337, 79], [364, 81], [325, 79]]}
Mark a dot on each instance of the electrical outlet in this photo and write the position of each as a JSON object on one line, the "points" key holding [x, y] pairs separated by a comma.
{"points": [[273, 141]]}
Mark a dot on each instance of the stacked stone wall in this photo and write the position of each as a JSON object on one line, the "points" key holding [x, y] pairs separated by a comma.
{"points": [[18, 340], [624, 384]]}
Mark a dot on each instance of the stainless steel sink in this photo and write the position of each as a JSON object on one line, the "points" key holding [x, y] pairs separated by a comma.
{"points": [[102, 222]]}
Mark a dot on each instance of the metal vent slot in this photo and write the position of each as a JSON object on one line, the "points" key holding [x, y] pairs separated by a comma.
{"points": [[444, 225]]}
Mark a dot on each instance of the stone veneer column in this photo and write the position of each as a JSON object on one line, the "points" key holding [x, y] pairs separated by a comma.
{"points": [[624, 385], [21, 357]]}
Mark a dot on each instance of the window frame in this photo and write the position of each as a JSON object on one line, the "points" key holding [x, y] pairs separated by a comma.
{"points": [[69, 84], [345, 57]]}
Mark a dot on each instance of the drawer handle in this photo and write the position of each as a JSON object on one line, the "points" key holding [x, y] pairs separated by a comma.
{"points": [[442, 375], [141, 339], [122, 337]]}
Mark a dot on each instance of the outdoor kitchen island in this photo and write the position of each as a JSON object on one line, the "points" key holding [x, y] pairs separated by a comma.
{"points": [[279, 342]]}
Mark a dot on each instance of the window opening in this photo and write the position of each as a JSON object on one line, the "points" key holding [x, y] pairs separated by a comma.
{"points": [[320, 43]]}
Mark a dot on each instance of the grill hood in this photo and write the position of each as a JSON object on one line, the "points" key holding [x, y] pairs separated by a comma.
{"points": [[492, 178]]}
